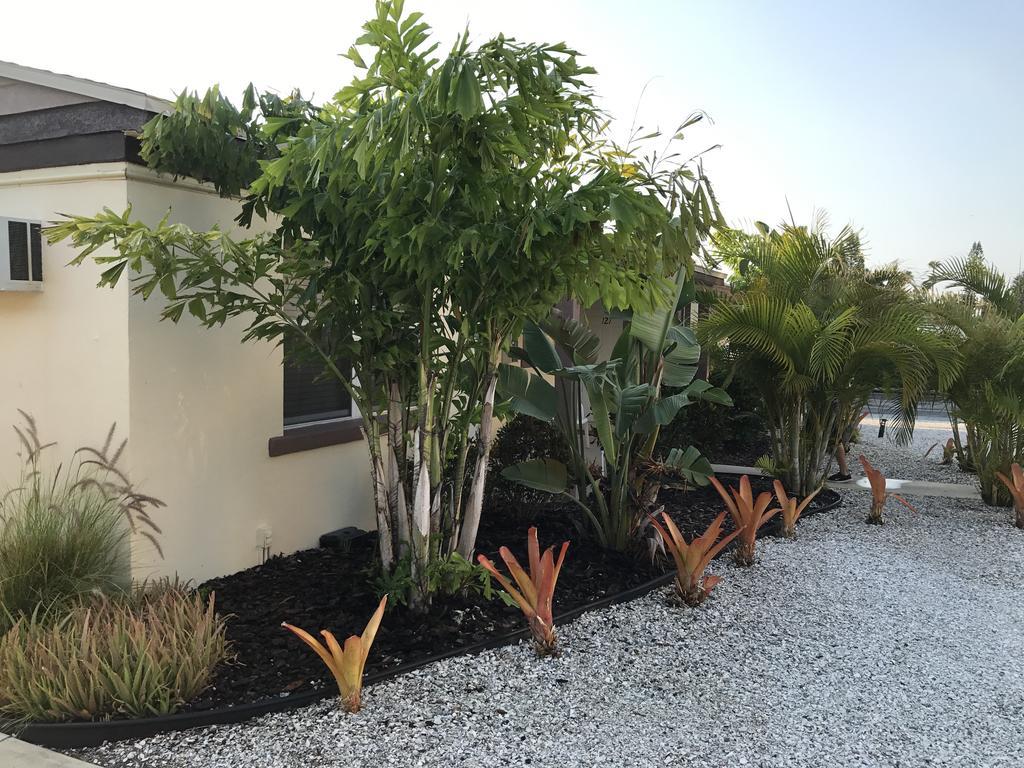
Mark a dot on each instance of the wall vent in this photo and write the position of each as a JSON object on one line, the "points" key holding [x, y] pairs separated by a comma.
{"points": [[21, 255]]}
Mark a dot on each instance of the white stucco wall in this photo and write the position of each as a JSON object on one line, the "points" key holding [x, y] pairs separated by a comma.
{"points": [[64, 350], [203, 406], [196, 405]]}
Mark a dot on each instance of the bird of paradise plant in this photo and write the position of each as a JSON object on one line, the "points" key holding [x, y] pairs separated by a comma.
{"points": [[879, 494], [791, 510], [345, 663], [748, 515], [536, 589], [692, 558]]}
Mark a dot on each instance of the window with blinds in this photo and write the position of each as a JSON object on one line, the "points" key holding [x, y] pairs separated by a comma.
{"points": [[310, 396]]}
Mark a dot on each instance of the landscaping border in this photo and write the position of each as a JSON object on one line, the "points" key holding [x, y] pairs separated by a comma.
{"points": [[92, 734]]}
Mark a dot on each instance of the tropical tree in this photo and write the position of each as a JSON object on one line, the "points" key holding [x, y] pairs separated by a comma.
{"points": [[419, 218], [983, 314], [816, 333]]}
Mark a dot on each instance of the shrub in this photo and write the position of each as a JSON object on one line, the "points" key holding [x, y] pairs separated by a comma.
{"points": [[448, 576], [816, 333], [1015, 485], [791, 510], [537, 589], [948, 451], [879, 495], [627, 410], [737, 435], [748, 515], [346, 662], [692, 558], [521, 439], [107, 657], [65, 533], [980, 311]]}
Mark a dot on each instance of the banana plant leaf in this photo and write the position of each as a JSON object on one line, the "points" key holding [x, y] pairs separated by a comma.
{"points": [[540, 474], [681, 357], [691, 465], [582, 343], [539, 349], [632, 401], [528, 393]]}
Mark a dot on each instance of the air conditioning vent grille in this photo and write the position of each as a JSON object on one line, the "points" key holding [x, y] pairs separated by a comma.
{"points": [[21, 255], [17, 238], [36, 245]]}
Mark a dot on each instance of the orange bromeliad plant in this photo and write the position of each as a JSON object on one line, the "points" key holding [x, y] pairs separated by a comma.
{"points": [[879, 494], [692, 558], [345, 663], [536, 589], [791, 511], [748, 515], [1015, 484]]}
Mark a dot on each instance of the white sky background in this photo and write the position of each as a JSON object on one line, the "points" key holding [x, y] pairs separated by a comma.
{"points": [[902, 117]]}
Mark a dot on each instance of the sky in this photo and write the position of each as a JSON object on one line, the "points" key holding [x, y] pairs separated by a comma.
{"points": [[902, 118]]}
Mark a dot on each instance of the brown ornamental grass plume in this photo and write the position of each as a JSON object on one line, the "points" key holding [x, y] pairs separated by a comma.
{"points": [[791, 510], [692, 558], [65, 527], [879, 494], [347, 662], [536, 591], [1015, 484], [748, 515]]}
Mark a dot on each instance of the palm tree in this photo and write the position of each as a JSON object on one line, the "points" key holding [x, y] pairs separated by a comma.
{"points": [[984, 316], [817, 333]]}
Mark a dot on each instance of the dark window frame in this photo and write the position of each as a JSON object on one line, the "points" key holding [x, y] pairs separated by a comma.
{"points": [[304, 431]]}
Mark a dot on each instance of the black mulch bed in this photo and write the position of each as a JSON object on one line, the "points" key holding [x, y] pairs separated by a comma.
{"points": [[329, 589]]}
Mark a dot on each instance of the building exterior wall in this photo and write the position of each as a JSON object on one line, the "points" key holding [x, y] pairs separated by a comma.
{"points": [[63, 350], [196, 405], [203, 406]]}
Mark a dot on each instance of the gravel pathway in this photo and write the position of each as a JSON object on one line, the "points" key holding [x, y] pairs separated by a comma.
{"points": [[852, 646]]}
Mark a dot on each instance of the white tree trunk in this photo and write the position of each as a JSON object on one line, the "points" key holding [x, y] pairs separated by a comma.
{"points": [[380, 500], [399, 509], [474, 504]]}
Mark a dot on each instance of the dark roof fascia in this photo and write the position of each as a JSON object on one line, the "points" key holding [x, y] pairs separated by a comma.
{"points": [[108, 147], [71, 120]]}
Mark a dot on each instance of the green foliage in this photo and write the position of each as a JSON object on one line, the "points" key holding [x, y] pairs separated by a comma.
{"points": [[817, 333], [64, 532], [208, 138], [627, 412], [520, 439], [721, 433], [449, 576], [427, 212], [130, 656], [984, 317]]}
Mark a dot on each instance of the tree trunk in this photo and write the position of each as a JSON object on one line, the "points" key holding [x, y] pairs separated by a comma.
{"points": [[796, 471], [422, 503], [396, 487], [371, 433], [474, 504]]}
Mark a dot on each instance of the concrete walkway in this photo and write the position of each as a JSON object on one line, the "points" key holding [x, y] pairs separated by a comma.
{"points": [[905, 487], [18, 754]]}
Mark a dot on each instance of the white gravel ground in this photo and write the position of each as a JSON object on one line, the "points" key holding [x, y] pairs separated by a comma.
{"points": [[852, 646], [908, 462]]}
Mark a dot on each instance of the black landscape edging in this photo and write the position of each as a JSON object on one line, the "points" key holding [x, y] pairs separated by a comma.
{"points": [[92, 734]]}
